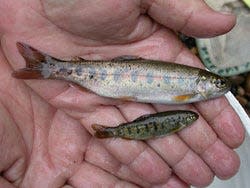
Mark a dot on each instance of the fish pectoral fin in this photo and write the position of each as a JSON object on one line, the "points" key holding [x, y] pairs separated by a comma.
{"points": [[126, 58], [183, 98], [203, 94]]}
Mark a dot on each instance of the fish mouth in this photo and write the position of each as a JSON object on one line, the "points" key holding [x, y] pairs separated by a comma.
{"points": [[223, 84], [196, 115]]}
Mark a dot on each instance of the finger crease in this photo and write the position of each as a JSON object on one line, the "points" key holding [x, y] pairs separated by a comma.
{"points": [[179, 53], [60, 93], [190, 15], [178, 161], [136, 157], [211, 121], [209, 146]]}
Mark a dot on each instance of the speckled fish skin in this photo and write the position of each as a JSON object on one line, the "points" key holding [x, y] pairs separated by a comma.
{"points": [[127, 78], [149, 126]]}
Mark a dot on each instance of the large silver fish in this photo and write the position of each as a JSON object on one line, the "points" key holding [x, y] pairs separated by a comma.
{"points": [[126, 77]]}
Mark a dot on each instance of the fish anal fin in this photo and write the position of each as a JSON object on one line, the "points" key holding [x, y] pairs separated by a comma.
{"points": [[204, 95], [183, 98], [126, 58]]}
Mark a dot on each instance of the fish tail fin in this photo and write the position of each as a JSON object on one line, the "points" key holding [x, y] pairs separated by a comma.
{"points": [[34, 60], [102, 131]]}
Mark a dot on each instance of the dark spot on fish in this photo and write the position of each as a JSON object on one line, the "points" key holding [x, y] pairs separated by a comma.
{"points": [[162, 125], [125, 130], [92, 73], [137, 130], [166, 79], [51, 65], [103, 74], [117, 75], [63, 70], [158, 85], [79, 71], [134, 76], [147, 127], [155, 126], [181, 81], [120, 132], [150, 78], [69, 72], [129, 130]]}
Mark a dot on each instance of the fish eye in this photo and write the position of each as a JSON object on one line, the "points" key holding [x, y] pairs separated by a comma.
{"points": [[220, 83]]}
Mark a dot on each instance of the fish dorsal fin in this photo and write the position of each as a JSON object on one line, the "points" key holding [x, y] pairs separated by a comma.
{"points": [[126, 58], [143, 117]]}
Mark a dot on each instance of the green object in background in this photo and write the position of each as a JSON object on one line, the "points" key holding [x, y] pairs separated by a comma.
{"points": [[247, 2]]}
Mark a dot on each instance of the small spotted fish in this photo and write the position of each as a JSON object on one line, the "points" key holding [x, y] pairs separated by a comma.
{"points": [[127, 77], [149, 126]]}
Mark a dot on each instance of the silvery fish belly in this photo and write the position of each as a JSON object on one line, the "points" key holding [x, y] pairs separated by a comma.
{"points": [[127, 77], [149, 126]]}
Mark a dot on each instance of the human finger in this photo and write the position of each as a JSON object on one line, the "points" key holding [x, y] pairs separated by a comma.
{"points": [[173, 182], [224, 121], [193, 17], [6, 184], [13, 161], [91, 176], [99, 156], [201, 138]]}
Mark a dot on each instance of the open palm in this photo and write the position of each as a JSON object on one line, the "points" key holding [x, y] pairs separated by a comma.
{"points": [[45, 126]]}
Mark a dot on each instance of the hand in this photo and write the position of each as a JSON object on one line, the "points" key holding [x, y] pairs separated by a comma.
{"points": [[45, 125]]}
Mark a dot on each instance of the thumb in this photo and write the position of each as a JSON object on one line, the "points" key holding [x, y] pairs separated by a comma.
{"points": [[191, 17]]}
